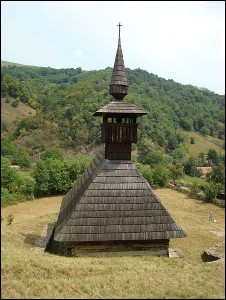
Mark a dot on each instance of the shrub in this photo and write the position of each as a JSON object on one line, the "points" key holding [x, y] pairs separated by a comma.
{"points": [[15, 103], [54, 153], [211, 190], [160, 176], [41, 177], [13, 186], [195, 190], [192, 140], [10, 219], [27, 188], [146, 172], [3, 126]]}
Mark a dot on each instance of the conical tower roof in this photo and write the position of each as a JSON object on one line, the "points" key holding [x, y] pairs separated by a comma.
{"points": [[119, 85], [119, 74]]}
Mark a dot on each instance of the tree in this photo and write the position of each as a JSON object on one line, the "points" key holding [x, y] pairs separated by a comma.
{"points": [[13, 185], [54, 153], [192, 140], [213, 157], [217, 176], [173, 143], [9, 176], [154, 158], [204, 131], [69, 113], [8, 149], [176, 171], [202, 160], [178, 154], [146, 172], [145, 146], [190, 167], [23, 158], [187, 124], [59, 180], [41, 177], [160, 176], [211, 190]]}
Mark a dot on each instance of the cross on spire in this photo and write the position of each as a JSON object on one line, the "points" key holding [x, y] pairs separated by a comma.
{"points": [[119, 25]]}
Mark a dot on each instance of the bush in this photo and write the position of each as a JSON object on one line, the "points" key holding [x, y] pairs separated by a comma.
{"points": [[195, 190], [23, 159], [13, 186], [15, 103], [54, 153], [211, 190], [41, 177], [54, 176], [10, 219], [157, 177], [160, 176], [27, 188], [192, 140], [146, 172]]}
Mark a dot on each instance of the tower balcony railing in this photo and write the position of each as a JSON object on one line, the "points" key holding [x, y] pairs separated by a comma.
{"points": [[119, 133]]}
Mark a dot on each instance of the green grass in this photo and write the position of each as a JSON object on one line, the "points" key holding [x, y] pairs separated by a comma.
{"points": [[189, 180], [218, 142], [25, 173], [28, 273]]}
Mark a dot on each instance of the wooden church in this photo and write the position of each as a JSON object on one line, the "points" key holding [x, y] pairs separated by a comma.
{"points": [[111, 209]]}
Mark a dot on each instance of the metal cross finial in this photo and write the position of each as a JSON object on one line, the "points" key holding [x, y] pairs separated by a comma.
{"points": [[119, 25]]}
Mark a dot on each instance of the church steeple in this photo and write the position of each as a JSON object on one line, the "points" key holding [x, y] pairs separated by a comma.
{"points": [[111, 209], [119, 128], [119, 85]]}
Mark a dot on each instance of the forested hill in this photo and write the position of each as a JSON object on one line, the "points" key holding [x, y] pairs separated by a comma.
{"points": [[65, 100]]}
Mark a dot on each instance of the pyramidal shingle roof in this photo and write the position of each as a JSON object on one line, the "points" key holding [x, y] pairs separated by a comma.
{"points": [[120, 107], [113, 202]]}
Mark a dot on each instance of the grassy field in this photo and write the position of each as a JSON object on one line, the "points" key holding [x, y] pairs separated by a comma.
{"points": [[31, 274], [9, 63], [203, 144]]}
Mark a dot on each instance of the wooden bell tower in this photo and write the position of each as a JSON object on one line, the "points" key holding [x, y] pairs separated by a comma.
{"points": [[119, 128]]}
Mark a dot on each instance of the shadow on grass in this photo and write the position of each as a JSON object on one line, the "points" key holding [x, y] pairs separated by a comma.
{"points": [[55, 247], [46, 242], [30, 238]]}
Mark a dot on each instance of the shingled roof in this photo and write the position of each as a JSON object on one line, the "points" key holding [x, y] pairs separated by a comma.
{"points": [[113, 202], [118, 74], [120, 107]]}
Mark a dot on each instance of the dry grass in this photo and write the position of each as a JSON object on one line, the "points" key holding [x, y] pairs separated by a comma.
{"points": [[10, 115], [203, 144], [30, 274]]}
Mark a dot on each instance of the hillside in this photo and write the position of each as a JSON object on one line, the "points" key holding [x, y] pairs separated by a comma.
{"points": [[28, 273], [203, 144], [65, 100], [13, 112], [10, 63]]}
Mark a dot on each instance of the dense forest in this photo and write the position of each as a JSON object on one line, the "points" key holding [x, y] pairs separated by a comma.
{"points": [[65, 100]]}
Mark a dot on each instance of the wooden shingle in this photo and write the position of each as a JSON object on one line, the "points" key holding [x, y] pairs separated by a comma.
{"points": [[121, 207]]}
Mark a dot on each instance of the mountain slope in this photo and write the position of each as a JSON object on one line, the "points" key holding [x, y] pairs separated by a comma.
{"points": [[66, 99], [13, 112]]}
